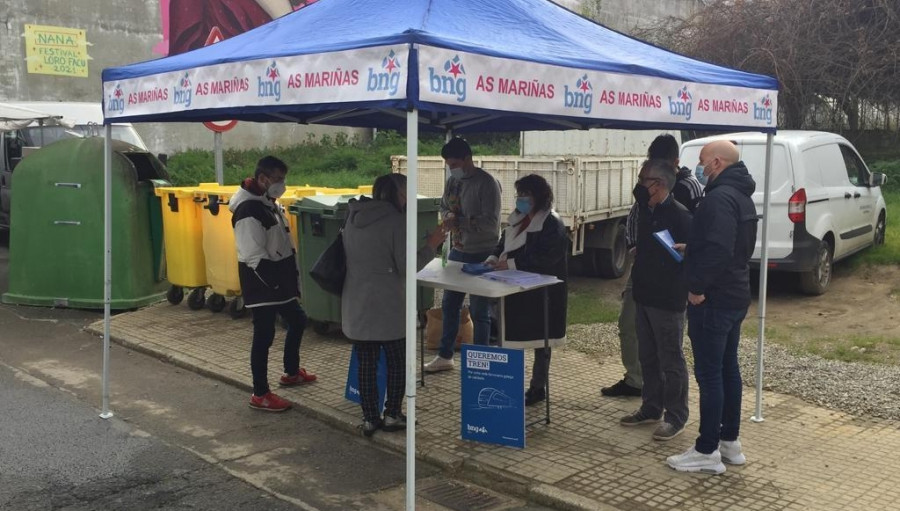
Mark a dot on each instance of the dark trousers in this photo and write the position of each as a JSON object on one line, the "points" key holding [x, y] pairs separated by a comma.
{"points": [[368, 353], [264, 334], [540, 370], [715, 334], [665, 390]]}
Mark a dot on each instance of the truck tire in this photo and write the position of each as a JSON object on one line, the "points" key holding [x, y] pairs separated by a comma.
{"points": [[610, 262], [815, 281]]}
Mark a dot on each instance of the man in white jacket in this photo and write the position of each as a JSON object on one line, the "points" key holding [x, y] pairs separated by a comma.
{"points": [[268, 271]]}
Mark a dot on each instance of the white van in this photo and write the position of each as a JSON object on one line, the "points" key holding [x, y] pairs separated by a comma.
{"points": [[86, 119], [825, 204]]}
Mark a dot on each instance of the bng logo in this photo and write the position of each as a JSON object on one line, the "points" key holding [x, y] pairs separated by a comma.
{"points": [[451, 82], [581, 96], [681, 105], [386, 79], [762, 111], [181, 92], [269, 86], [115, 102]]}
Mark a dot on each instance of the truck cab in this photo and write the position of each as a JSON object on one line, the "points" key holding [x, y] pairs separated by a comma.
{"points": [[85, 119]]}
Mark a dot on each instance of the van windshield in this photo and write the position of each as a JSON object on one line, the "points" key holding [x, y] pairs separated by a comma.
{"points": [[40, 136]]}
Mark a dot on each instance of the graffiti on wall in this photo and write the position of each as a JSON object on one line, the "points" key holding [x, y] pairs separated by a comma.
{"points": [[191, 24], [56, 50]]}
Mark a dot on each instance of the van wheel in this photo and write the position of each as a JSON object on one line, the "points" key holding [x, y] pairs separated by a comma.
{"points": [[610, 262], [815, 281], [879, 230]]}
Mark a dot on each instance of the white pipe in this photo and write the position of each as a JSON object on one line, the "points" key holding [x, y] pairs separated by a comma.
{"points": [[107, 264], [763, 279], [412, 208], [220, 171]]}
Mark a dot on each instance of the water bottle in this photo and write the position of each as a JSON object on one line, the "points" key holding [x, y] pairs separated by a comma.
{"points": [[445, 251]]}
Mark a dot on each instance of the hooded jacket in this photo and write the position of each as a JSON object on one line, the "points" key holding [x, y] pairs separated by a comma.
{"points": [[267, 265], [722, 239], [373, 302]]}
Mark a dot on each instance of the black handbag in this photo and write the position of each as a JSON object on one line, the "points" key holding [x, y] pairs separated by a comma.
{"points": [[330, 269]]}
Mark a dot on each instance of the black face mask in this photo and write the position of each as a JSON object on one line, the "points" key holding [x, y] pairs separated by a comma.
{"points": [[641, 195]]}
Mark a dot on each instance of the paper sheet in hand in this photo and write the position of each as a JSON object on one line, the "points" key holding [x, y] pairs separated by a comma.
{"points": [[665, 239]]}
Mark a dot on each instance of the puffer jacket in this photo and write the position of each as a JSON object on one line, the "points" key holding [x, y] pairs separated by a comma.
{"points": [[722, 239]]}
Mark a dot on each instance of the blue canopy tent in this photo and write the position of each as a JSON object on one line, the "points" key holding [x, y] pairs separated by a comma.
{"points": [[438, 65]]}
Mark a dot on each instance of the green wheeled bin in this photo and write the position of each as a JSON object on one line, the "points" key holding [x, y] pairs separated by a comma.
{"points": [[320, 218], [56, 236]]}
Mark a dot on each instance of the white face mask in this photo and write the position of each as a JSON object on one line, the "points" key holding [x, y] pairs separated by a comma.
{"points": [[457, 172], [276, 190]]}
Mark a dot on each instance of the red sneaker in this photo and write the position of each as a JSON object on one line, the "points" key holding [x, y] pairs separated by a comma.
{"points": [[269, 403], [298, 379]]}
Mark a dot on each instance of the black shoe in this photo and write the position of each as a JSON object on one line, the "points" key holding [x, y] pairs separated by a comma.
{"points": [[370, 427], [534, 396], [621, 389]]}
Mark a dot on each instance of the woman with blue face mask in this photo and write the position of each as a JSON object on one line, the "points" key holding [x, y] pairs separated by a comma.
{"points": [[535, 241]]}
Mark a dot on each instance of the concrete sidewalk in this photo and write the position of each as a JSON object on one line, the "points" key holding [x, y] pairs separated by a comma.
{"points": [[802, 457]]}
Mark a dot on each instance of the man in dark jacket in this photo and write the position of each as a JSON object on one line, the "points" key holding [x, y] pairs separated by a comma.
{"points": [[688, 191], [660, 295], [722, 240], [268, 272]]}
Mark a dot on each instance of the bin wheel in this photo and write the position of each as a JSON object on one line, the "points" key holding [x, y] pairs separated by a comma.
{"points": [[321, 327], [175, 295], [197, 298], [215, 302], [236, 308]]}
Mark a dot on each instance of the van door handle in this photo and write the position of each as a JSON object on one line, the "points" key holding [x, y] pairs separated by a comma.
{"points": [[847, 195], [856, 195]]}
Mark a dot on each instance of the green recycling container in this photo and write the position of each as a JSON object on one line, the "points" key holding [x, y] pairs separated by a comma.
{"points": [[56, 235], [320, 218]]}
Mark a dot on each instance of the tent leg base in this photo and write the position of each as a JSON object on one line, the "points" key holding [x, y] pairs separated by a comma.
{"points": [[106, 415], [757, 419]]}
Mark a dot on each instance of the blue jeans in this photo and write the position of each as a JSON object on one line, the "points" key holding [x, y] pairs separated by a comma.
{"points": [[715, 334], [479, 308], [263, 335]]}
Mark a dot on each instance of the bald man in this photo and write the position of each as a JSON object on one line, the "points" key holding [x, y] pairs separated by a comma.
{"points": [[723, 235]]}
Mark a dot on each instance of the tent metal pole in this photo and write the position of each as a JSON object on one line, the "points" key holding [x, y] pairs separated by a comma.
{"points": [[107, 264], [412, 209], [763, 279], [220, 166]]}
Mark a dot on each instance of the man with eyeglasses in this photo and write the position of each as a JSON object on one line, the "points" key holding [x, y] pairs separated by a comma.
{"points": [[660, 296]]}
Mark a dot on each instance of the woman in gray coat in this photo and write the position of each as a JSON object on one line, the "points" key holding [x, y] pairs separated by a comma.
{"points": [[373, 301]]}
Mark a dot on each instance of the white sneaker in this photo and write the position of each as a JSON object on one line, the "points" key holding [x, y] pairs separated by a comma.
{"points": [[731, 452], [693, 461], [439, 364]]}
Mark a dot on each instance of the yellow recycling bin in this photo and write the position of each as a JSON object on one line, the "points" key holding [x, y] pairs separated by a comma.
{"points": [[183, 238], [219, 250]]}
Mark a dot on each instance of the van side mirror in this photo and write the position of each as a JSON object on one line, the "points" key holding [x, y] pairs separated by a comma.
{"points": [[877, 180], [164, 158]]}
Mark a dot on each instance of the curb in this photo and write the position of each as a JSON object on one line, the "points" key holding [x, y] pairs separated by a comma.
{"points": [[469, 471]]}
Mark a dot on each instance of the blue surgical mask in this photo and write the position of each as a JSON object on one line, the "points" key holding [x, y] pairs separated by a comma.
{"points": [[698, 172], [523, 204]]}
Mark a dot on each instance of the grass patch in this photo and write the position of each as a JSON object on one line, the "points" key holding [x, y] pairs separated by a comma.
{"points": [[332, 161], [869, 349], [586, 307]]}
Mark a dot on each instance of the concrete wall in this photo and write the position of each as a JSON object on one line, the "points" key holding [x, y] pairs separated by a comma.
{"points": [[120, 32], [626, 15]]}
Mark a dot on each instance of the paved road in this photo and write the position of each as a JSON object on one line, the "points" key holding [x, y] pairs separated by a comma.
{"points": [[178, 440]]}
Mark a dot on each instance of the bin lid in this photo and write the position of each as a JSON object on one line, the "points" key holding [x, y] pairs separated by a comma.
{"points": [[321, 203], [181, 192]]}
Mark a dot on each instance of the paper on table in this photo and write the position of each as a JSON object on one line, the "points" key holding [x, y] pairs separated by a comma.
{"points": [[514, 277], [664, 237]]}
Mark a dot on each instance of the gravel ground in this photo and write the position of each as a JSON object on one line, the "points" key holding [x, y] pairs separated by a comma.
{"points": [[860, 389]]}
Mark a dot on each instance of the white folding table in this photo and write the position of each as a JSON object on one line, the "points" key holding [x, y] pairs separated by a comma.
{"points": [[452, 278]]}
